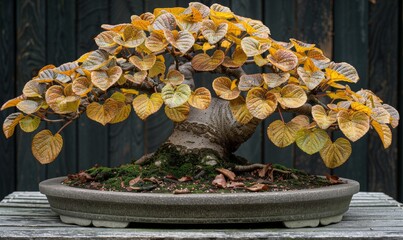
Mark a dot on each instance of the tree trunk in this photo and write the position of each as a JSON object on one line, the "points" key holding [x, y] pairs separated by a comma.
{"points": [[214, 128]]}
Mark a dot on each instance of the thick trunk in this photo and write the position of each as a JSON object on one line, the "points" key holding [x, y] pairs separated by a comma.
{"points": [[213, 128]]}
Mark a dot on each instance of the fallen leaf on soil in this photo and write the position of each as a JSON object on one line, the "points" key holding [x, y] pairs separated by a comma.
{"points": [[171, 177], [95, 185], [229, 174], [134, 181], [333, 179], [181, 191], [129, 189], [219, 181], [258, 187], [151, 179], [185, 179], [122, 184], [236, 185], [263, 171]]}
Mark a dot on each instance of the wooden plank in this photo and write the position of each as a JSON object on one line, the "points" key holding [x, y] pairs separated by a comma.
{"points": [[282, 27], [251, 149], [351, 45], [383, 81], [315, 25], [61, 47], [92, 142], [7, 91], [31, 56], [157, 127], [126, 139]]}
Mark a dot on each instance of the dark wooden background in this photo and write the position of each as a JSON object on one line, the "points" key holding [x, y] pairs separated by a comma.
{"points": [[367, 34]]}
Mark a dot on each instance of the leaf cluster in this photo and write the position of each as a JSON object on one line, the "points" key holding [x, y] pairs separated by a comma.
{"points": [[129, 70]]}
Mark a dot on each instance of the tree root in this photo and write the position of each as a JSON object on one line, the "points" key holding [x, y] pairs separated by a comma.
{"points": [[255, 166], [141, 161]]}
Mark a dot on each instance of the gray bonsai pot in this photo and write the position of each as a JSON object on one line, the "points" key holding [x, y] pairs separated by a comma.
{"points": [[298, 208]]}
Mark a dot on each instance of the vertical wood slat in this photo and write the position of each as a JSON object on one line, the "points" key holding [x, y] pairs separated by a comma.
{"points": [[7, 91], [315, 25], [157, 126], [60, 48], [400, 105], [383, 81], [251, 149], [351, 45], [92, 136], [126, 139], [31, 56], [282, 28]]}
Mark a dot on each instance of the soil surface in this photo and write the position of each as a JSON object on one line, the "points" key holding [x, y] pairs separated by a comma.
{"points": [[171, 170]]}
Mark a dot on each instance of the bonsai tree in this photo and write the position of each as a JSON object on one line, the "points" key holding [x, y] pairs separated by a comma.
{"points": [[150, 63]]}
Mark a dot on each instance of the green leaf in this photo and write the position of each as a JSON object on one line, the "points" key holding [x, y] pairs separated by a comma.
{"points": [[311, 141], [29, 123], [175, 96]]}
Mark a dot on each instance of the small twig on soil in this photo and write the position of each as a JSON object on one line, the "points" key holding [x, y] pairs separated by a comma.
{"points": [[248, 168], [144, 159], [199, 175], [294, 176], [281, 171]]}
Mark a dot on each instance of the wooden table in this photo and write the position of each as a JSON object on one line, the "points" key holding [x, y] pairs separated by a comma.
{"points": [[26, 215]]}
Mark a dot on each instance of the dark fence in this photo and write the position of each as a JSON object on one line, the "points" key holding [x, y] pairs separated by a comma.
{"points": [[367, 34]]}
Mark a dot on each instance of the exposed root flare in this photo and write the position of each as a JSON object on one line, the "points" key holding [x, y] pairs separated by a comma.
{"points": [[255, 166], [144, 159]]}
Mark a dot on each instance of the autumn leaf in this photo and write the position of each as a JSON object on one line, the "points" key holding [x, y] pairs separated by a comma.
{"points": [[46, 146], [165, 21], [240, 111], [34, 89], [59, 102], [261, 103], [394, 115], [229, 174], [384, 132], [146, 63], [225, 88], [311, 140], [10, 122], [200, 98], [103, 113], [220, 181], [182, 40], [29, 123], [178, 114], [283, 59], [28, 106], [212, 32], [248, 81], [354, 125], [174, 77], [144, 106], [258, 187], [275, 79], [131, 37], [105, 79], [97, 59], [156, 41], [12, 102], [292, 96], [334, 154], [203, 62], [322, 118], [175, 96], [283, 134], [253, 47], [237, 59], [81, 86]]}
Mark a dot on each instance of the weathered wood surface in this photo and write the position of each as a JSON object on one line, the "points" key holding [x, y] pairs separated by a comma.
{"points": [[367, 34], [26, 215]]}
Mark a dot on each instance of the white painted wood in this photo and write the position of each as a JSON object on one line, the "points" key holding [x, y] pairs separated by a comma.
{"points": [[26, 215]]}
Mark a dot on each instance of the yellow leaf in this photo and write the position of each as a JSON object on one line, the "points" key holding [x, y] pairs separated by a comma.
{"points": [[380, 115], [116, 28], [34, 89], [158, 68], [29, 123], [220, 12], [318, 58], [260, 61], [238, 58], [123, 113], [311, 79], [96, 60], [212, 32], [247, 82], [282, 134], [59, 103], [118, 96], [222, 87], [182, 40], [103, 113], [239, 110], [203, 62], [129, 91], [143, 21], [292, 96], [200, 98], [260, 102], [28, 106], [301, 120], [165, 21], [174, 96], [10, 122], [394, 115], [354, 125], [173, 10], [283, 59], [300, 46], [311, 140], [137, 77], [203, 9], [131, 37], [144, 106], [275, 79], [189, 26], [253, 47], [174, 77], [259, 29], [12, 102], [322, 118], [143, 64], [81, 86], [384, 132], [345, 70], [361, 108], [178, 114], [105, 79], [156, 41], [105, 39], [46, 146], [337, 153]]}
